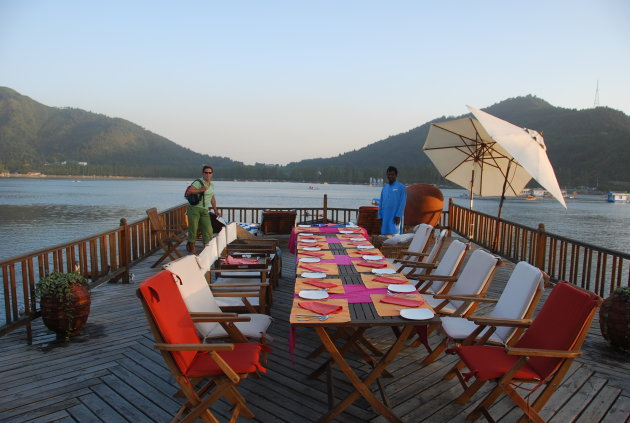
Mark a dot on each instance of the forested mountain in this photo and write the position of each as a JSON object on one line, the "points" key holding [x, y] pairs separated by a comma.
{"points": [[35, 137], [586, 147]]}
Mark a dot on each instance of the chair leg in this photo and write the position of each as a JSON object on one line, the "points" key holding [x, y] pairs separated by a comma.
{"points": [[437, 351], [469, 392], [454, 370], [487, 402]]}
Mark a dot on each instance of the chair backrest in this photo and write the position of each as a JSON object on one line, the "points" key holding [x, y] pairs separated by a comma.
{"points": [[433, 253], [231, 232], [475, 276], [561, 324], [525, 284], [208, 255], [168, 316], [154, 219], [420, 238], [449, 263], [190, 280], [221, 241]]}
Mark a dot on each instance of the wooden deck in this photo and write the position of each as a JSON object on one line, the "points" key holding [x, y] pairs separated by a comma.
{"points": [[111, 373]]}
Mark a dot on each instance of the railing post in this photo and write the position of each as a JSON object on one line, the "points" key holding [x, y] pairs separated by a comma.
{"points": [[451, 217], [541, 247], [325, 208], [124, 250]]}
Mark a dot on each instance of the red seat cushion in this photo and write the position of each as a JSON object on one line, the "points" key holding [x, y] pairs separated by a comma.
{"points": [[243, 359], [488, 362]]}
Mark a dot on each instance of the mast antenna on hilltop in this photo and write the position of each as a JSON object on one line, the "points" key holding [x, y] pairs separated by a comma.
{"points": [[596, 102]]}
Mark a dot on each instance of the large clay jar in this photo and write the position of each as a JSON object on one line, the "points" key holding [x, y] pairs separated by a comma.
{"points": [[424, 205], [614, 319], [55, 317]]}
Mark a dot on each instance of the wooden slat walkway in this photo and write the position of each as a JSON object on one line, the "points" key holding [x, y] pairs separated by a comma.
{"points": [[111, 373]]}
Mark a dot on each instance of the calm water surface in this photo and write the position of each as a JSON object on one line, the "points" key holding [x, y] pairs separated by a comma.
{"points": [[38, 213]]}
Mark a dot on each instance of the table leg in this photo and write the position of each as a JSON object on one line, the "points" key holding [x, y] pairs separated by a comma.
{"points": [[362, 386]]}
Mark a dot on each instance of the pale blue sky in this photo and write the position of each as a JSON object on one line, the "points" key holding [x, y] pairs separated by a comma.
{"points": [[280, 81]]}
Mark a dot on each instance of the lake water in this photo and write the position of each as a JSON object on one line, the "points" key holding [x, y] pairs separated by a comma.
{"points": [[38, 213]]}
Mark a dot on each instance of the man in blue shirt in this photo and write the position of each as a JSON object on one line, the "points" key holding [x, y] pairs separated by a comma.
{"points": [[392, 205]]}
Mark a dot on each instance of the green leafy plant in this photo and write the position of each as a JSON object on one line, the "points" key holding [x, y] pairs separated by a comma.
{"points": [[623, 292], [59, 285]]}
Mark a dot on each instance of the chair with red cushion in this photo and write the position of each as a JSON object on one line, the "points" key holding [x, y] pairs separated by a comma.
{"points": [[225, 365], [542, 356]]}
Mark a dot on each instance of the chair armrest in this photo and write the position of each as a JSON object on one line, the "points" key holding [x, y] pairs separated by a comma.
{"points": [[238, 285], [418, 265], [411, 253], [229, 294], [193, 347], [533, 352], [467, 298], [433, 278], [496, 321], [219, 317]]}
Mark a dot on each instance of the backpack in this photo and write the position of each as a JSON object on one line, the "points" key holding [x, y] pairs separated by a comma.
{"points": [[194, 199]]}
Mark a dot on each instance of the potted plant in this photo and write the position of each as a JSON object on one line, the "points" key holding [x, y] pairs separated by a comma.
{"points": [[614, 318], [65, 302]]}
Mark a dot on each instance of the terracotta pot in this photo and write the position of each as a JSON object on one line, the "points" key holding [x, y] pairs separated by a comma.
{"points": [[55, 317], [614, 321], [424, 205]]}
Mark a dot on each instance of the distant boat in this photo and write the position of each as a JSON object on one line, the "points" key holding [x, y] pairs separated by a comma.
{"points": [[530, 198], [618, 197]]}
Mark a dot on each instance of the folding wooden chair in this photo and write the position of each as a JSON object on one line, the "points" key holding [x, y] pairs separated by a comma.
{"points": [[189, 360], [417, 248], [542, 356], [516, 305], [189, 275], [426, 264], [439, 278], [168, 237]]}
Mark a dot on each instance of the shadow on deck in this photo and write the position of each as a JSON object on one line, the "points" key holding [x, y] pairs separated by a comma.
{"points": [[111, 373]]}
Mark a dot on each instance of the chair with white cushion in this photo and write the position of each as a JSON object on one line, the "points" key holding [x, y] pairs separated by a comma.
{"points": [[417, 247], [189, 275], [429, 262], [445, 273], [513, 309]]}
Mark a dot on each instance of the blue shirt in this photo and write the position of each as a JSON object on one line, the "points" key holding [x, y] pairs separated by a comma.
{"points": [[393, 199]]}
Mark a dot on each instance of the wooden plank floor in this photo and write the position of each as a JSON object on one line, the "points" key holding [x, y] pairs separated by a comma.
{"points": [[111, 373]]}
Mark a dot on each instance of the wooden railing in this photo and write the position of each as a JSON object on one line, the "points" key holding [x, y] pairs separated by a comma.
{"points": [[103, 257], [594, 268]]}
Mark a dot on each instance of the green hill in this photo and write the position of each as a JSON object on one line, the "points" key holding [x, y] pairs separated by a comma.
{"points": [[586, 147], [35, 137]]}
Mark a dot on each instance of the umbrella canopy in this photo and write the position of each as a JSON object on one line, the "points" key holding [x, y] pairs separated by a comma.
{"points": [[464, 153], [526, 146]]}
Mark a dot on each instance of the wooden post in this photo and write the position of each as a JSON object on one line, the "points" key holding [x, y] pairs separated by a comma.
{"points": [[325, 219], [541, 245], [451, 218], [124, 249]]}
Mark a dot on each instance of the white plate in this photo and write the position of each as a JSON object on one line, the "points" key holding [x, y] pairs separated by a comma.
{"points": [[305, 234], [372, 258], [304, 226], [308, 240], [385, 271], [313, 294], [312, 248], [341, 231], [416, 313], [365, 247], [313, 275], [358, 239], [394, 287], [310, 259]]}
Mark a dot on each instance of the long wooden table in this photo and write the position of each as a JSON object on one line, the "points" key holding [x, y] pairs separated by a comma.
{"points": [[349, 328]]}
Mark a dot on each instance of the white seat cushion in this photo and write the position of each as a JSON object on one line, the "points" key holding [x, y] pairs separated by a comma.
{"points": [[459, 328], [255, 328]]}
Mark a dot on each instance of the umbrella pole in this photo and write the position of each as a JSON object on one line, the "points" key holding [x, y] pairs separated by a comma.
{"points": [[497, 226]]}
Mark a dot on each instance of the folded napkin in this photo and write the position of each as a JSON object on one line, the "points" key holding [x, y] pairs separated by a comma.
{"points": [[384, 279], [401, 301], [313, 268], [321, 284], [359, 243], [371, 264], [311, 253], [307, 238], [307, 244], [320, 308], [233, 260]]}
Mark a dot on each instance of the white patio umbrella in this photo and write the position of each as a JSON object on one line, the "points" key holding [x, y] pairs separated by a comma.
{"points": [[526, 146], [464, 153]]}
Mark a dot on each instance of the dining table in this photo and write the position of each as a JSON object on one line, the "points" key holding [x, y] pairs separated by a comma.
{"points": [[343, 287]]}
